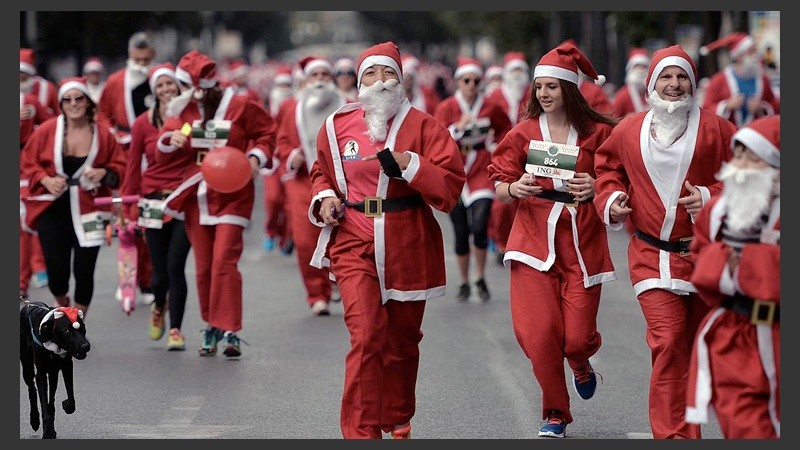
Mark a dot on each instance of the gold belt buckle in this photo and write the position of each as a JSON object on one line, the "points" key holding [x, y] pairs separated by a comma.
{"points": [[466, 147], [687, 252], [373, 206], [758, 307], [199, 157]]}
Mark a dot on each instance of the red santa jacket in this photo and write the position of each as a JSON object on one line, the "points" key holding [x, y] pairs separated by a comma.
{"points": [[491, 124], [723, 85], [596, 96], [46, 93], [43, 155], [624, 163], [533, 233], [515, 109], [115, 108], [409, 248], [629, 100], [252, 131]]}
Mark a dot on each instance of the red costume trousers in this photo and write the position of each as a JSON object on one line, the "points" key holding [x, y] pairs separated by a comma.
{"points": [[381, 366], [672, 323], [217, 249], [555, 318]]}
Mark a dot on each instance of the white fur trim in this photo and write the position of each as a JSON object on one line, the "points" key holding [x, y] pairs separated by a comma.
{"points": [[555, 72], [282, 78], [27, 68], [93, 66], [383, 60], [637, 60], [742, 47], [183, 76], [413, 167], [158, 73], [515, 64], [601, 80], [206, 83], [468, 68], [672, 61], [315, 64], [72, 85], [759, 145]]}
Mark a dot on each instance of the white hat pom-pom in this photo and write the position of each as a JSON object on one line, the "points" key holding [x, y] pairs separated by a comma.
{"points": [[601, 79], [76, 325], [703, 51]]}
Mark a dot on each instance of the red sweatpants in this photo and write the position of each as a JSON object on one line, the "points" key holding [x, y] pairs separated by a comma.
{"points": [[316, 281], [31, 258], [672, 322], [555, 318], [217, 249], [381, 367], [275, 221]]}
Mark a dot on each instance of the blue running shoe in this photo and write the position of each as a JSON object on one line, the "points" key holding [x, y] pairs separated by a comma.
{"points": [[268, 244], [555, 427], [585, 381]]}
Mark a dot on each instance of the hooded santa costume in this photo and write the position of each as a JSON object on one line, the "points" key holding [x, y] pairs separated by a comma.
{"points": [[215, 220], [44, 90], [735, 366], [388, 263], [653, 175], [726, 84]]}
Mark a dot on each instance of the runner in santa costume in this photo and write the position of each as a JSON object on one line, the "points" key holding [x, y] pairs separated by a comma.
{"points": [[557, 250], [421, 96], [736, 361], [477, 124], [296, 149], [631, 97], [657, 169], [215, 221], [30, 82], [381, 167], [741, 92]]}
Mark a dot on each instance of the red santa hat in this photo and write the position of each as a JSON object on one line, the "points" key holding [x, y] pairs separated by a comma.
{"points": [[238, 68], [311, 63], [763, 137], [409, 63], [93, 64], [564, 62], [515, 60], [637, 56], [283, 75], [160, 70], [345, 65], [200, 68], [466, 66], [27, 61], [738, 43], [72, 314], [671, 56], [494, 71], [67, 84], [385, 53]]}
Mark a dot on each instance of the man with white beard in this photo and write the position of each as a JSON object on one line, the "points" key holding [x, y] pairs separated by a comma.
{"points": [[381, 168], [632, 96], [299, 122], [742, 91], [657, 169], [737, 272], [127, 95]]}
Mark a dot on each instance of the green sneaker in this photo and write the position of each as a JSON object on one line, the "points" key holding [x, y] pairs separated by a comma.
{"points": [[232, 344], [208, 346]]}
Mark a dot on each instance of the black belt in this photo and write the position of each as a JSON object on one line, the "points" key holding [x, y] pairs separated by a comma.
{"points": [[375, 206], [468, 147], [559, 196], [73, 181], [158, 195], [759, 312], [198, 158], [123, 129], [681, 247]]}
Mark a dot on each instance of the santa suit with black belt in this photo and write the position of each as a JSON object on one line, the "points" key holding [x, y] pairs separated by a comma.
{"points": [[735, 367], [387, 266], [215, 220], [723, 85], [553, 248], [295, 136], [626, 163]]}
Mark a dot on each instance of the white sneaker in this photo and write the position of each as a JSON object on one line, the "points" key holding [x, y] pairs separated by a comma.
{"points": [[118, 294], [148, 298], [320, 308]]}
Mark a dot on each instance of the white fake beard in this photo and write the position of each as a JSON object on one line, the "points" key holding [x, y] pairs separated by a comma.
{"points": [[636, 78], [137, 73], [670, 119], [277, 96], [749, 67], [516, 84], [27, 85], [381, 102], [320, 95], [178, 103], [748, 193]]}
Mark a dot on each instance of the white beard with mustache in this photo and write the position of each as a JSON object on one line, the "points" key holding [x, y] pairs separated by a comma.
{"points": [[381, 102], [516, 84], [636, 78], [277, 96], [748, 193], [670, 119], [320, 95], [137, 73], [749, 67]]}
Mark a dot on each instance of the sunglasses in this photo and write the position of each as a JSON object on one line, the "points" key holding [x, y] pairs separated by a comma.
{"points": [[471, 80], [78, 99]]}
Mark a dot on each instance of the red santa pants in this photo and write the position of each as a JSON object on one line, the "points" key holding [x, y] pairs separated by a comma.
{"points": [[31, 258], [275, 223], [555, 317], [217, 249], [316, 281], [672, 323], [381, 367]]}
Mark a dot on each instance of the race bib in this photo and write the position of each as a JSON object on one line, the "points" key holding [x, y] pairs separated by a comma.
{"points": [[94, 224], [214, 134], [548, 159], [151, 213]]}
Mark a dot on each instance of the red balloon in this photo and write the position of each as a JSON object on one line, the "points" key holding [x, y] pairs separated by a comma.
{"points": [[226, 169]]}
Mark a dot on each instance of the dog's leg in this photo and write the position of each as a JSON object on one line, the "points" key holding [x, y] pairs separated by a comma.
{"points": [[48, 411], [28, 374], [66, 372]]}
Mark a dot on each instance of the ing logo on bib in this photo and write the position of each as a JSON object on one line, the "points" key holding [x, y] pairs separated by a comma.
{"points": [[350, 151]]}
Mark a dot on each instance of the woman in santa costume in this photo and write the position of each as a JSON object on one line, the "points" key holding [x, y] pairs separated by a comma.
{"points": [[557, 249], [657, 169], [477, 124], [381, 166], [68, 161], [211, 117], [736, 360]]}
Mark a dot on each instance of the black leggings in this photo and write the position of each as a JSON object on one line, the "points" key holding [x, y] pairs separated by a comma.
{"points": [[473, 220], [59, 242], [169, 248]]}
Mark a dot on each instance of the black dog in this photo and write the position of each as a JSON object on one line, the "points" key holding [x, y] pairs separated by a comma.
{"points": [[48, 340]]}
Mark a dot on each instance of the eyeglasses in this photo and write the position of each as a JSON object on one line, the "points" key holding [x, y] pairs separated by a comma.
{"points": [[471, 80], [346, 72], [78, 99]]}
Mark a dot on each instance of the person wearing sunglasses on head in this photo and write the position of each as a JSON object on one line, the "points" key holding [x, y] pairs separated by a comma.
{"points": [[477, 124]]}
